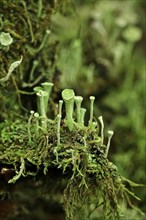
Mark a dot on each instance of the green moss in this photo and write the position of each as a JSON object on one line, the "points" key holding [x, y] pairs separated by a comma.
{"points": [[91, 179], [29, 25]]}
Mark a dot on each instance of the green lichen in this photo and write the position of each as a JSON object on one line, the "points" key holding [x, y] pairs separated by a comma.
{"points": [[5, 39], [68, 96], [35, 143], [93, 183]]}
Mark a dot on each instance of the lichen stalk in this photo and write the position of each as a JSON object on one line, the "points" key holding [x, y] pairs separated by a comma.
{"points": [[82, 116], [35, 64], [110, 134], [92, 98], [47, 87], [100, 118], [60, 107], [13, 66], [68, 97], [58, 128], [36, 115], [29, 126], [78, 101], [42, 98], [48, 32], [36, 90]]}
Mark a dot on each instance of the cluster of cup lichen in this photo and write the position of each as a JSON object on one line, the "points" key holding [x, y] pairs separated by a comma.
{"points": [[65, 143]]}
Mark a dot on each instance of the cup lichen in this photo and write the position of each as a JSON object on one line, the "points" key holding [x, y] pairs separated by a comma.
{"points": [[5, 39], [68, 97], [79, 153]]}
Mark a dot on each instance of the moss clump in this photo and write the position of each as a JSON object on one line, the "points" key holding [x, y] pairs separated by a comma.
{"points": [[92, 181], [28, 25]]}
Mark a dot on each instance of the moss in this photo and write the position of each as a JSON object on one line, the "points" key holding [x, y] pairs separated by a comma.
{"points": [[91, 179], [29, 25]]}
